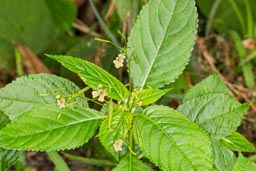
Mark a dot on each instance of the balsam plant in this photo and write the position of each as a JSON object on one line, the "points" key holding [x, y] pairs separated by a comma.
{"points": [[44, 112]]}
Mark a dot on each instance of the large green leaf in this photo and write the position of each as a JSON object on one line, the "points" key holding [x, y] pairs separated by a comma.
{"points": [[132, 163], [115, 127], [210, 85], [93, 76], [237, 142], [35, 90], [217, 114], [171, 141], [161, 41], [34, 23], [63, 13], [6, 55], [224, 159], [244, 164], [50, 128]]}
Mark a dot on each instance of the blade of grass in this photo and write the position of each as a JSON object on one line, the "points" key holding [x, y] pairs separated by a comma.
{"points": [[247, 68], [58, 161], [90, 161], [239, 15], [18, 59], [103, 25], [211, 16], [250, 25]]}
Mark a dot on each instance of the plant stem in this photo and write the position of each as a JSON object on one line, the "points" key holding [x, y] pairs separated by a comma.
{"points": [[247, 67], [103, 25], [58, 161], [211, 16], [250, 25], [95, 162], [18, 60]]}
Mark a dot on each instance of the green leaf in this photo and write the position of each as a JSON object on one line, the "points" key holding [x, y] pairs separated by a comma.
{"points": [[237, 142], [63, 13], [8, 158], [115, 127], [132, 163], [4, 120], [6, 55], [244, 164], [224, 159], [93, 76], [171, 141], [32, 91], [147, 96], [210, 85], [33, 23], [50, 128], [217, 114], [161, 42]]}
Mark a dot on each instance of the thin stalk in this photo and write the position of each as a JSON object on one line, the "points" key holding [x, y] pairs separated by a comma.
{"points": [[58, 161], [247, 68], [94, 162], [250, 25], [239, 15], [18, 60], [211, 16], [103, 25]]}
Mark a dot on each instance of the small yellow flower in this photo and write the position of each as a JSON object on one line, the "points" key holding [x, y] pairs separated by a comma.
{"points": [[118, 145], [119, 61], [61, 102], [100, 94]]}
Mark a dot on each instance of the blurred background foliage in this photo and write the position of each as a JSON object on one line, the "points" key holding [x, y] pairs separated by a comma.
{"points": [[226, 44]]}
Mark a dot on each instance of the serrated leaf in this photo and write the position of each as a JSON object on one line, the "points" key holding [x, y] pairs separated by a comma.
{"points": [[131, 163], [171, 141], [8, 158], [34, 90], [210, 85], [50, 128], [244, 164], [113, 128], [237, 142], [217, 114], [148, 96], [93, 76], [224, 159], [161, 41]]}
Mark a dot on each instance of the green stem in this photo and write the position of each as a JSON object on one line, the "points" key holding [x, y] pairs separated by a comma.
{"points": [[58, 161], [103, 25], [239, 15], [211, 16], [18, 60], [248, 67], [94, 162], [250, 25]]}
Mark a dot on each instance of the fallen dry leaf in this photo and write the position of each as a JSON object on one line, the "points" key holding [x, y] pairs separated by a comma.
{"points": [[31, 62]]}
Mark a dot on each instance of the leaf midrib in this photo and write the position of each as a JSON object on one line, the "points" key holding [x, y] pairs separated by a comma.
{"points": [[170, 138], [158, 48], [60, 127]]}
